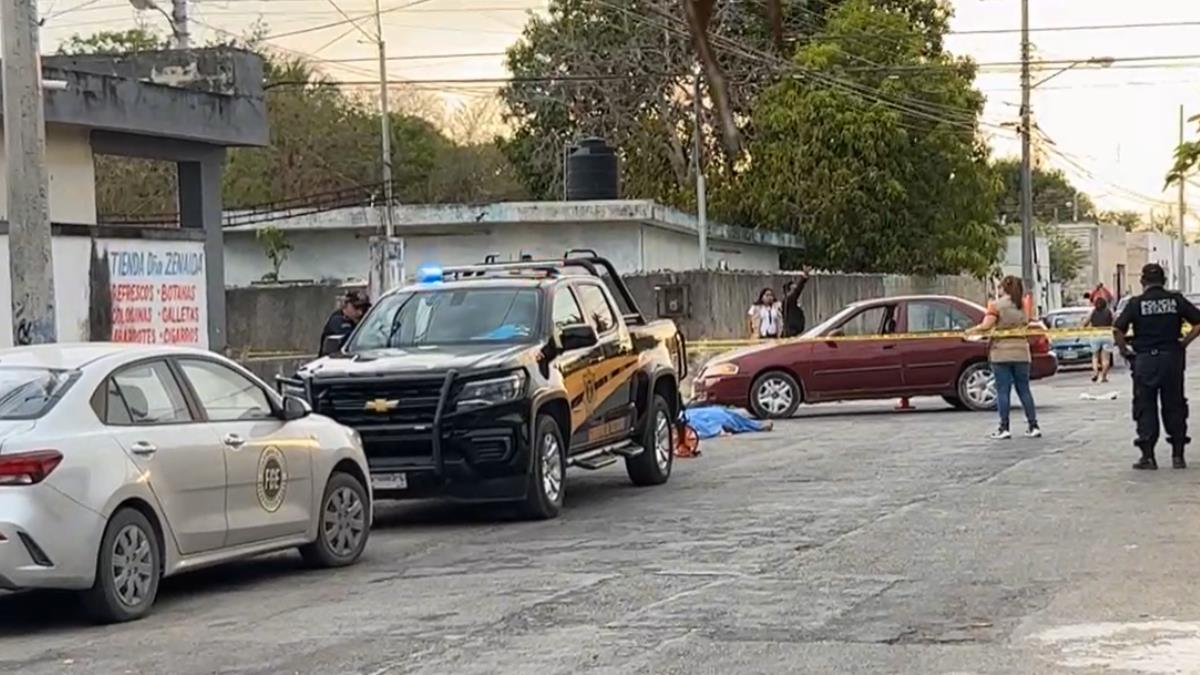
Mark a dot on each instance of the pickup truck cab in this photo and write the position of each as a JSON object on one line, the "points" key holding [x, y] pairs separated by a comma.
{"points": [[485, 383]]}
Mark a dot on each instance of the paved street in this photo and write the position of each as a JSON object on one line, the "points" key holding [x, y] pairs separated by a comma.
{"points": [[850, 540]]}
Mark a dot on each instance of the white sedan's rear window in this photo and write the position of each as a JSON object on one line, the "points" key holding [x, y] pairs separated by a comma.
{"points": [[27, 392]]}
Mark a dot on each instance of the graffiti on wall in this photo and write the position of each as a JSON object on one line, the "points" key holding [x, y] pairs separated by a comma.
{"points": [[158, 293]]}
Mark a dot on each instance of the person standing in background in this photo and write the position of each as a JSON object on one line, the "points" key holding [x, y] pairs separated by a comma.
{"points": [[1102, 345], [765, 316], [793, 313]]}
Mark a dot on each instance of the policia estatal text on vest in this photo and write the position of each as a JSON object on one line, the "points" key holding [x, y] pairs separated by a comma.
{"points": [[1157, 362]]}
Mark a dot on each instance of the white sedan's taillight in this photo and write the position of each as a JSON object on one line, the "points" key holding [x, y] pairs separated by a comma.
{"points": [[28, 468]]}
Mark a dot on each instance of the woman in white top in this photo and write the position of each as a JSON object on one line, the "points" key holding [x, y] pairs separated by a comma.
{"points": [[766, 316]]}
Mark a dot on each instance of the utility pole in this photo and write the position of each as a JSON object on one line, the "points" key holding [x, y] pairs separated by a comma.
{"points": [[179, 24], [701, 196], [1181, 262], [1027, 240], [31, 268], [385, 150]]}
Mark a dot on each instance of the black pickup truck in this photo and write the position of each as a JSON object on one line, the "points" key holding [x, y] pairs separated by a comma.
{"points": [[484, 383]]}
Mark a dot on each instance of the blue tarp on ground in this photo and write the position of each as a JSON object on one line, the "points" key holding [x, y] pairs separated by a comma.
{"points": [[710, 421]]}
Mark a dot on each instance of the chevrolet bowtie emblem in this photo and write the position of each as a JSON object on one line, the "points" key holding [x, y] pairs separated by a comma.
{"points": [[381, 405]]}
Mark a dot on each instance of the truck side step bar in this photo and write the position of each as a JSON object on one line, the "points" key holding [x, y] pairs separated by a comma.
{"points": [[606, 455]]}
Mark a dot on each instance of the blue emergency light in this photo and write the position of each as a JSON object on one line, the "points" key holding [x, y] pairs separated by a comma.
{"points": [[430, 274]]}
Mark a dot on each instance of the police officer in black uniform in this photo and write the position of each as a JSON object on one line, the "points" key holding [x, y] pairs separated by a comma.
{"points": [[1157, 362], [354, 304]]}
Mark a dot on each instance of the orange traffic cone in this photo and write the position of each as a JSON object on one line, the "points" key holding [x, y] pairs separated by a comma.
{"points": [[904, 404]]}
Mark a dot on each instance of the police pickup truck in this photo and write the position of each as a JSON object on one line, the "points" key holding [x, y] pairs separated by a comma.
{"points": [[486, 382]]}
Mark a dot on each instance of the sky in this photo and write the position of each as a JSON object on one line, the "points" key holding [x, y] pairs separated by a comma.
{"points": [[1110, 129]]}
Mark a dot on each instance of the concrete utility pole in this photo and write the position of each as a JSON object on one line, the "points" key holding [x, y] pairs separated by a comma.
{"points": [[1181, 262], [701, 188], [179, 24], [1027, 239], [385, 152], [31, 268]]}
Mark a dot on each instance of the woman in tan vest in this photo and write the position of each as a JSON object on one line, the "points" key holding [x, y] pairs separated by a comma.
{"points": [[1009, 356]]}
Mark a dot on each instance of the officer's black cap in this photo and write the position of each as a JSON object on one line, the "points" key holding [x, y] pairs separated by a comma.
{"points": [[1153, 273]]}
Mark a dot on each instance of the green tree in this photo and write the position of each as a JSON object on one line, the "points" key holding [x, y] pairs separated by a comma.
{"points": [[868, 184], [1066, 256], [276, 247], [114, 42], [1130, 220], [322, 139], [1053, 195], [626, 72]]}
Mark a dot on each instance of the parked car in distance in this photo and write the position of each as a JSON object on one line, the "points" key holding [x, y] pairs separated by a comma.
{"points": [[123, 464], [486, 382], [773, 379], [1071, 350]]}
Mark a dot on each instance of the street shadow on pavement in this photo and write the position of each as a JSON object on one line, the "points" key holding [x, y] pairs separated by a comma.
{"points": [[584, 490], [32, 612], [824, 411]]}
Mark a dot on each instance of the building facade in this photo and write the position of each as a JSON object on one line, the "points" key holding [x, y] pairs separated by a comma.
{"points": [[638, 236]]}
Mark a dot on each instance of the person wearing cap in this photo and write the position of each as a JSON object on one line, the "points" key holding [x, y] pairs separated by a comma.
{"points": [[351, 308], [1157, 362]]}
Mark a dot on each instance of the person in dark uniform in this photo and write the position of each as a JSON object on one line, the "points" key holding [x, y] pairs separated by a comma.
{"points": [[793, 314], [1157, 363], [354, 304]]}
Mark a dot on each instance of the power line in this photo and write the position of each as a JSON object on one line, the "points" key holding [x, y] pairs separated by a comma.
{"points": [[1089, 27], [418, 57]]}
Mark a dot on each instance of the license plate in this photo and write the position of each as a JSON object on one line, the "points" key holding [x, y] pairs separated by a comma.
{"points": [[389, 481], [1069, 354]]}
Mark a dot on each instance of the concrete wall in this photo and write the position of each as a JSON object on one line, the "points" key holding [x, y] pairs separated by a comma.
{"points": [[72, 175], [279, 318], [719, 300], [264, 321], [1147, 247], [1105, 250], [122, 288], [343, 253]]}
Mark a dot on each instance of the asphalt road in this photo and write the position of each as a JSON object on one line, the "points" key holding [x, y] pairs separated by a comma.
{"points": [[850, 540]]}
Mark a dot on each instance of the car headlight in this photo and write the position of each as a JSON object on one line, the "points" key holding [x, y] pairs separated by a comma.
{"points": [[719, 370], [483, 393]]}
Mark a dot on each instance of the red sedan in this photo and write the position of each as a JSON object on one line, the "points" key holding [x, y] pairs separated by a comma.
{"points": [[771, 380]]}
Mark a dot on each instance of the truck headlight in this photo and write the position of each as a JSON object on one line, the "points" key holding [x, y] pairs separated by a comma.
{"points": [[289, 389], [494, 391]]}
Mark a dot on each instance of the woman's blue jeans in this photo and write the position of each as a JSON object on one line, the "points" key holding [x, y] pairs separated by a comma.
{"points": [[1008, 376]]}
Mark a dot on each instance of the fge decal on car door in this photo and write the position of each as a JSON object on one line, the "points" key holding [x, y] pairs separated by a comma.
{"points": [[272, 479]]}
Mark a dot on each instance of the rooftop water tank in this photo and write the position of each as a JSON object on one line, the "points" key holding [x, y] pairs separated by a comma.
{"points": [[592, 171]]}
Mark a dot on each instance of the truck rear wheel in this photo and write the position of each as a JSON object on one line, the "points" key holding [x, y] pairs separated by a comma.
{"points": [[653, 465], [544, 491]]}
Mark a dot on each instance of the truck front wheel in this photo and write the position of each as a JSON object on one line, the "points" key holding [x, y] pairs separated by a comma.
{"points": [[652, 466], [544, 492]]}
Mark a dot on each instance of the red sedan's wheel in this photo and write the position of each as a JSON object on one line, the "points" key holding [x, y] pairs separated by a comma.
{"points": [[774, 395]]}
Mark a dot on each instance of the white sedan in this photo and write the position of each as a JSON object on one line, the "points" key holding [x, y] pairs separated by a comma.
{"points": [[120, 465]]}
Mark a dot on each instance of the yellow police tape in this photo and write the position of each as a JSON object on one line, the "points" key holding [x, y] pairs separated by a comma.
{"points": [[722, 345]]}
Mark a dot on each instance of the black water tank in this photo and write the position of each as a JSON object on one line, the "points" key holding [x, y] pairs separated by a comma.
{"points": [[592, 171]]}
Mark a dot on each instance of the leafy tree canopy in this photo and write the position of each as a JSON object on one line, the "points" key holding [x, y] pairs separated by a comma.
{"points": [[871, 183], [322, 139], [1053, 195]]}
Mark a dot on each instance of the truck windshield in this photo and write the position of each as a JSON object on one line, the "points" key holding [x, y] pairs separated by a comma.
{"points": [[27, 393], [454, 316]]}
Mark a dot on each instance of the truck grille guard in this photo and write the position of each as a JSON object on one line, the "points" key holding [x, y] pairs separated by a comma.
{"points": [[435, 430]]}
